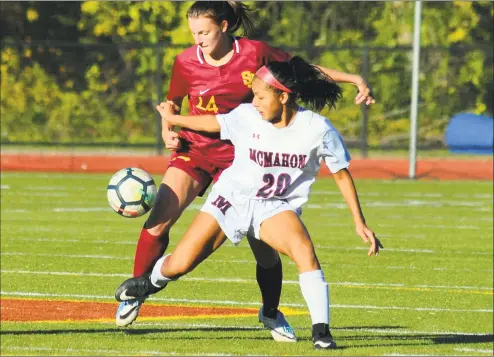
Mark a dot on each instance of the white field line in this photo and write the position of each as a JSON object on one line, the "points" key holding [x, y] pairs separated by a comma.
{"points": [[238, 261], [4, 187], [249, 281], [435, 226], [38, 194], [60, 188], [407, 194], [235, 261], [81, 209], [422, 218], [406, 203], [96, 352], [89, 256], [376, 330], [474, 350], [242, 303], [246, 246], [15, 210], [315, 192], [405, 355]]}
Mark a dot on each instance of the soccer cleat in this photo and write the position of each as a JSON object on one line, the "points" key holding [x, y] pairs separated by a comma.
{"points": [[136, 288], [280, 328], [322, 337], [324, 342], [127, 312]]}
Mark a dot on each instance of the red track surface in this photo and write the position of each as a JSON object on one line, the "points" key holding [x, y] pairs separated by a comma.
{"points": [[443, 169], [30, 310]]}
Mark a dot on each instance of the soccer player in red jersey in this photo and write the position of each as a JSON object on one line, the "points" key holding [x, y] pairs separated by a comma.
{"points": [[216, 74]]}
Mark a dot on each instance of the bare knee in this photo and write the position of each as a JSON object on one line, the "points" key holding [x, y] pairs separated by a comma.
{"points": [[304, 256], [176, 268]]}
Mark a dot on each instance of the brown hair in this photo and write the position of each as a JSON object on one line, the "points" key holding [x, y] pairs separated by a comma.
{"points": [[235, 13]]}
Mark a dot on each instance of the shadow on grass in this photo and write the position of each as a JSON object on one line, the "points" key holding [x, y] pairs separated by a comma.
{"points": [[413, 340], [144, 331], [381, 340]]}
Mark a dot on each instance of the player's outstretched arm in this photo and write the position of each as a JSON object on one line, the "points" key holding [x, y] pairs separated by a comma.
{"points": [[207, 123], [345, 183], [364, 91]]}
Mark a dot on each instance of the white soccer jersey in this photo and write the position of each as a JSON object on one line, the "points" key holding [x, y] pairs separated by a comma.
{"points": [[275, 162]]}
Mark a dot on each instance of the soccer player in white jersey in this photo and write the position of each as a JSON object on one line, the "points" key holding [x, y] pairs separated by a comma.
{"points": [[278, 150]]}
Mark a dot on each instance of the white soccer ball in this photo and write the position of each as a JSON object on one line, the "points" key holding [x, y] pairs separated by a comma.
{"points": [[131, 192]]}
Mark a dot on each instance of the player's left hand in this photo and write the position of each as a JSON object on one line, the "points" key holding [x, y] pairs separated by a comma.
{"points": [[368, 236], [166, 110], [364, 93]]}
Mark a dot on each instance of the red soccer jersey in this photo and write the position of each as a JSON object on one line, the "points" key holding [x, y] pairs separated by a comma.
{"points": [[217, 90]]}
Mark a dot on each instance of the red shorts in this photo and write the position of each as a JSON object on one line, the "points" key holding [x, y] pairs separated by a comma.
{"points": [[197, 167]]}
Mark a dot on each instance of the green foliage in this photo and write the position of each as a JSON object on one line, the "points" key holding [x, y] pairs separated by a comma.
{"points": [[106, 90]]}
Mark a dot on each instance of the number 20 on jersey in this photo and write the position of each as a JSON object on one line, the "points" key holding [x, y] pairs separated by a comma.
{"points": [[210, 107]]}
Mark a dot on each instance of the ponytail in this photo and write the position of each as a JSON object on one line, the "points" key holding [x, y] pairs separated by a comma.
{"points": [[235, 13], [307, 82]]}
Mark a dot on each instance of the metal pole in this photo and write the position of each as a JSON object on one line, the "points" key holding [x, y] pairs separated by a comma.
{"points": [[158, 80], [415, 91], [363, 107]]}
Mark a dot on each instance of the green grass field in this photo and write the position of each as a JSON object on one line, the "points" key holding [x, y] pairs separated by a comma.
{"points": [[430, 292]]}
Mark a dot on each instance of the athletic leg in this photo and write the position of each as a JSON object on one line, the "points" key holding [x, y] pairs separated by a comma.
{"points": [[286, 233], [177, 190], [269, 276], [202, 238]]}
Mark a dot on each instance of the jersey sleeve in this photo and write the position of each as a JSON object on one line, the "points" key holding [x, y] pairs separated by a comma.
{"points": [[334, 151], [231, 124], [179, 87], [270, 53]]}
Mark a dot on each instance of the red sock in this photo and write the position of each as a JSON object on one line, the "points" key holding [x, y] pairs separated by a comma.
{"points": [[149, 249]]}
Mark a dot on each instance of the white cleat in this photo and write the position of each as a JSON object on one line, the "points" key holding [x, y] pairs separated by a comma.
{"points": [[280, 328], [127, 312]]}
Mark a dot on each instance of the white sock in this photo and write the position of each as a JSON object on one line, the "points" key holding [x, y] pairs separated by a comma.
{"points": [[157, 279], [316, 294]]}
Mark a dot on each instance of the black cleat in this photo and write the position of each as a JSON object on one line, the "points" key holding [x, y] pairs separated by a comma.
{"points": [[136, 288], [322, 337], [324, 342]]}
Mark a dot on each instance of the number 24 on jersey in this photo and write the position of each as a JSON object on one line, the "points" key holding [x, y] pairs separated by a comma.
{"points": [[210, 107]]}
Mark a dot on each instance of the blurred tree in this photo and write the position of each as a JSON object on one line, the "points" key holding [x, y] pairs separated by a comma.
{"points": [[105, 87]]}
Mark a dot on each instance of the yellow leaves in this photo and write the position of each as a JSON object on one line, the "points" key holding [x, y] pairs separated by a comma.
{"points": [[93, 71], [90, 7], [121, 31], [458, 35], [463, 4], [32, 15], [480, 108], [134, 13], [149, 28], [98, 29], [6, 55]]}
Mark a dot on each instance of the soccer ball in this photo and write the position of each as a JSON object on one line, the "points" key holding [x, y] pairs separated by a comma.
{"points": [[131, 192]]}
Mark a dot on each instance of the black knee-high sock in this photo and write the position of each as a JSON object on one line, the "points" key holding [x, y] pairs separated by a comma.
{"points": [[270, 281]]}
